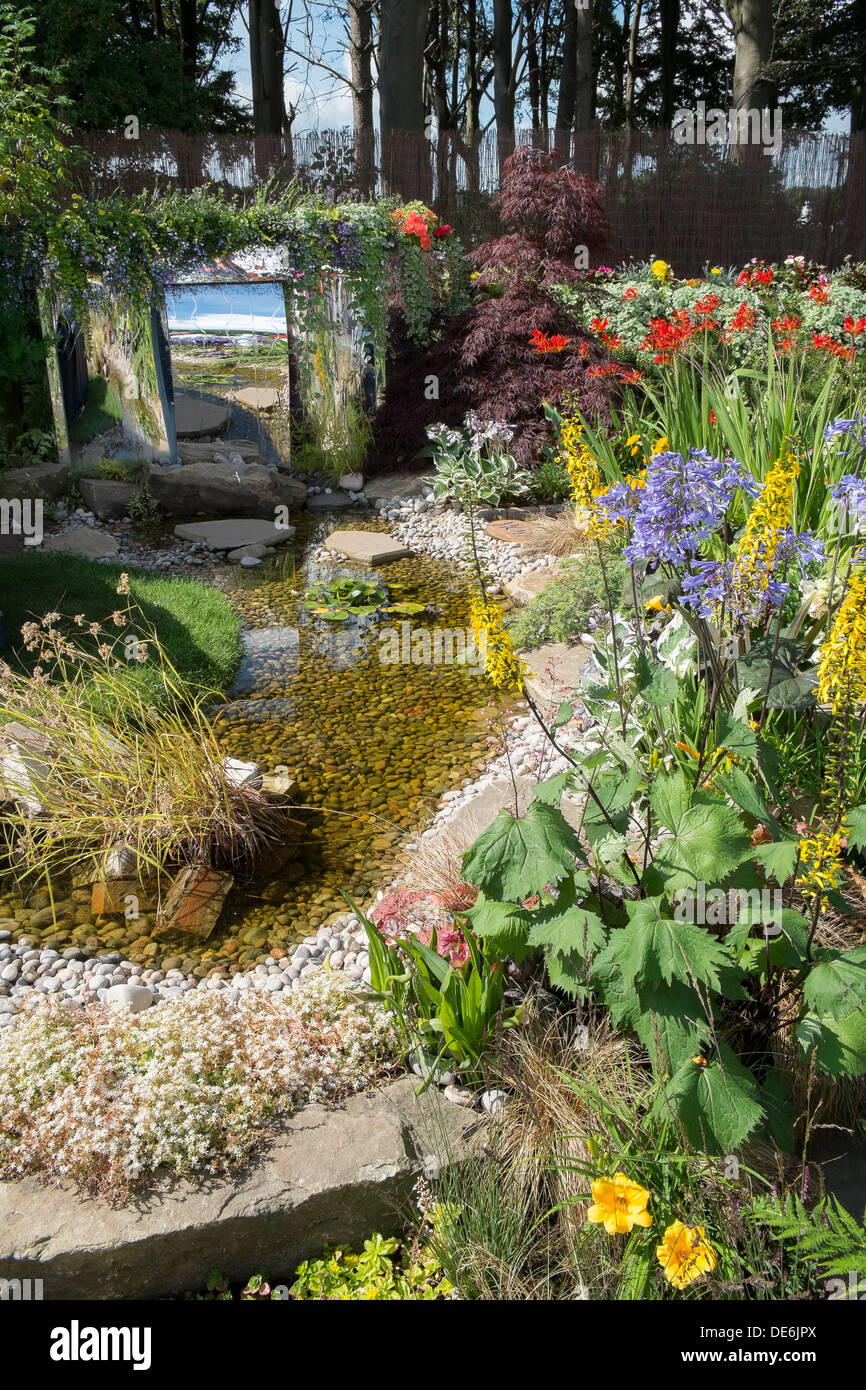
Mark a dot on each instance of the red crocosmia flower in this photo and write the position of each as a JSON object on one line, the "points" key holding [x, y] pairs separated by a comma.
{"points": [[820, 293], [854, 328], [713, 417], [444, 230], [631, 375], [631, 293], [544, 342], [761, 275], [744, 319], [822, 342], [706, 306], [610, 340]]}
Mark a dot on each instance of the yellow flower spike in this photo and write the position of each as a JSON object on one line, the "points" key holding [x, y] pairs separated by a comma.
{"points": [[767, 521], [684, 1254], [619, 1204], [687, 748], [842, 667]]}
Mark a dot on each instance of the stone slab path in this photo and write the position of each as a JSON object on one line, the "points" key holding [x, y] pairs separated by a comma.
{"points": [[370, 547], [234, 533]]}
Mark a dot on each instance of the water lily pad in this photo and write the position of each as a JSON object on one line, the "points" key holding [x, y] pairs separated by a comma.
{"points": [[406, 608]]}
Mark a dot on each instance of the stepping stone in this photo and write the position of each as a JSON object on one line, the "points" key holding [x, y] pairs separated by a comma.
{"points": [[235, 533], [517, 532], [82, 540], [395, 485], [556, 669], [258, 397], [335, 501], [371, 547], [194, 418], [523, 588]]}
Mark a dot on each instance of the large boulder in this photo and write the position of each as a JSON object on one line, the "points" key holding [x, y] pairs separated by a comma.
{"points": [[330, 1177], [235, 534], [82, 540], [107, 499], [45, 480], [220, 488]]}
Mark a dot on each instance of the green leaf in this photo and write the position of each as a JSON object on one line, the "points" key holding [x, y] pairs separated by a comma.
{"points": [[653, 947], [709, 844], [779, 859], [567, 971], [719, 1104], [505, 925], [615, 791], [837, 984], [779, 1114], [735, 736], [564, 715], [670, 798], [514, 859], [856, 819], [656, 683], [671, 1023], [566, 926], [838, 1045], [789, 687], [552, 789]]}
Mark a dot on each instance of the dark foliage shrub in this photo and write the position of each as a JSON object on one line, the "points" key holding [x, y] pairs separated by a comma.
{"points": [[487, 359]]}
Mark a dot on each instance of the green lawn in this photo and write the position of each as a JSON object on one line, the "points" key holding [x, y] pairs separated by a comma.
{"points": [[194, 623]]}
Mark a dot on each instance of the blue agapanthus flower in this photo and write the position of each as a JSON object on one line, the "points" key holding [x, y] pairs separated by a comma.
{"points": [[711, 585], [850, 492], [853, 429], [683, 503]]}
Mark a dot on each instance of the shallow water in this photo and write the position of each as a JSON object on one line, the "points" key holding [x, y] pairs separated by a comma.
{"points": [[372, 745]]}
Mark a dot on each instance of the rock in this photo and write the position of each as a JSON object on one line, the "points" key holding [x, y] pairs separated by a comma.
{"points": [[108, 500], [240, 774], [351, 482], [195, 451], [222, 490], [194, 418], [370, 547], [395, 485], [457, 1096], [249, 552], [330, 1177], [250, 562], [493, 1102], [556, 671], [329, 501], [137, 997], [523, 588], [194, 902], [45, 480], [235, 534], [258, 398], [82, 540]]}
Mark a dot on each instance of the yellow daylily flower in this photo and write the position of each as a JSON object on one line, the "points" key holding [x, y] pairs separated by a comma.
{"points": [[619, 1204], [684, 1254]]}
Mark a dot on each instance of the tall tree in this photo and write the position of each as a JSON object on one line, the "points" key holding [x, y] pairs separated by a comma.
{"points": [[267, 55], [503, 76], [361, 46], [584, 86], [568, 79], [754, 29], [670, 23], [402, 36]]}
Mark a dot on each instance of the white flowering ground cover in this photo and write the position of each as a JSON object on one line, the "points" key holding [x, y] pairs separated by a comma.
{"points": [[108, 1098]]}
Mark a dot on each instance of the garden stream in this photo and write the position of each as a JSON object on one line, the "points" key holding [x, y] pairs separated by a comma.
{"points": [[373, 746]]}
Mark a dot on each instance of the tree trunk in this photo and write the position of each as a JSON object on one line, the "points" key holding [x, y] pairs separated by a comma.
{"points": [[753, 33], [503, 79], [533, 72], [568, 80], [187, 13], [584, 103], [473, 101], [670, 22], [361, 52], [631, 71], [402, 35]]}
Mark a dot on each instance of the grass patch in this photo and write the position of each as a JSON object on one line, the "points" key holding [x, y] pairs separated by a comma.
{"points": [[564, 608], [195, 625], [102, 411]]}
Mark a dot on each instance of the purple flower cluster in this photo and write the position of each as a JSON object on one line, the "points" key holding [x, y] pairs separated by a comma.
{"points": [[851, 492], [711, 584], [854, 430], [683, 503]]}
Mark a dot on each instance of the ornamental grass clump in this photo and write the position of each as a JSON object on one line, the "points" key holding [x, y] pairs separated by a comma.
{"points": [[110, 1099], [93, 765]]}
